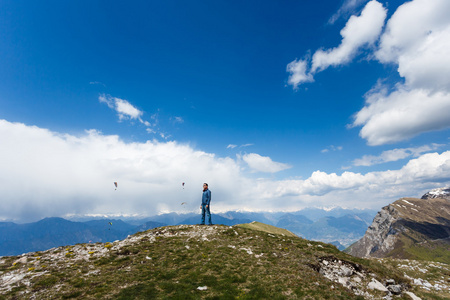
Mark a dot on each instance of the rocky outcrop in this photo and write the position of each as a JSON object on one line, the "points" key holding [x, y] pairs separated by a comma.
{"points": [[405, 223], [380, 237], [353, 277]]}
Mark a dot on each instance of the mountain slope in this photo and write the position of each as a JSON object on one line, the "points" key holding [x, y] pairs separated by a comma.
{"points": [[410, 228], [267, 228], [53, 232], [199, 262]]}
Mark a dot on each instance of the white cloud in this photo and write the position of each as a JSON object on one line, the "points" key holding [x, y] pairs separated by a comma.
{"points": [[46, 173], [232, 146], [332, 148], [178, 120], [394, 155], [298, 70], [428, 65], [410, 25], [347, 7], [264, 164], [125, 110], [358, 32], [403, 114], [417, 39], [245, 145], [418, 175]]}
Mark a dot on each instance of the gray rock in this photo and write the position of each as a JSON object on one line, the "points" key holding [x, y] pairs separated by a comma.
{"points": [[390, 282], [412, 296], [22, 260], [343, 281], [346, 271], [396, 289], [376, 285]]}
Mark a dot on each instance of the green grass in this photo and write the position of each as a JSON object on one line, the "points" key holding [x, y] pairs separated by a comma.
{"points": [[434, 253], [407, 248], [280, 267], [266, 228], [45, 281], [139, 291]]}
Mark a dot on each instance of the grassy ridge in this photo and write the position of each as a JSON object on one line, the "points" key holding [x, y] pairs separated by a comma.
{"points": [[434, 251], [173, 262], [267, 228]]}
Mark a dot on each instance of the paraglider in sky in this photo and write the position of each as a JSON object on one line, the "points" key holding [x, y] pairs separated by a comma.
{"points": [[110, 224], [182, 185], [115, 184], [183, 203]]}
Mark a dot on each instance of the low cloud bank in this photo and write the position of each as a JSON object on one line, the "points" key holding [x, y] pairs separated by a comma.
{"points": [[46, 173]]}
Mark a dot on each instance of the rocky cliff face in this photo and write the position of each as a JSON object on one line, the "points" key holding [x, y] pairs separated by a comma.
{"points": [[410, 228], [380, 236]]}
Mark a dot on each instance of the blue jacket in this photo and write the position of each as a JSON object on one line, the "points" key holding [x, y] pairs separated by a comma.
{"points": [[206, 197]]}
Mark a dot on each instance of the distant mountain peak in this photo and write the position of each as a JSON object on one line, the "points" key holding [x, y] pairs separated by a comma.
{"points": [[438, 193], [330, 208]]}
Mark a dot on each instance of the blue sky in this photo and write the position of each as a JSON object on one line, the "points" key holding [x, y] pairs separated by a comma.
{"points": [[278, 105]]}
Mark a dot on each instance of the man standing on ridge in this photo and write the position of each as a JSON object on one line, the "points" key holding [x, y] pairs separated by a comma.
{"points": [[206, 200]]}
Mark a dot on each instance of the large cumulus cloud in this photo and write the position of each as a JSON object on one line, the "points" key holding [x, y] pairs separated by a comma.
{"points": [[417, 41], [46, 173]]}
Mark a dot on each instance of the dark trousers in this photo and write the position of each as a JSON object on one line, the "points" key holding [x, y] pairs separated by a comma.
{"points": [[208, 214]]}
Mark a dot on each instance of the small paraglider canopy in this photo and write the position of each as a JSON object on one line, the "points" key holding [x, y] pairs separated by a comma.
{"points": [[115, 184], [182, 184], [183, 203]]}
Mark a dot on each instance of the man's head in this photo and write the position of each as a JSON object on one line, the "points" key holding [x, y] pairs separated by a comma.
{"points": [[205, 186]]}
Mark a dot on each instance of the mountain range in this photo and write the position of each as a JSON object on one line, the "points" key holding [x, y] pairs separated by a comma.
{"points": [[338, 226]]}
